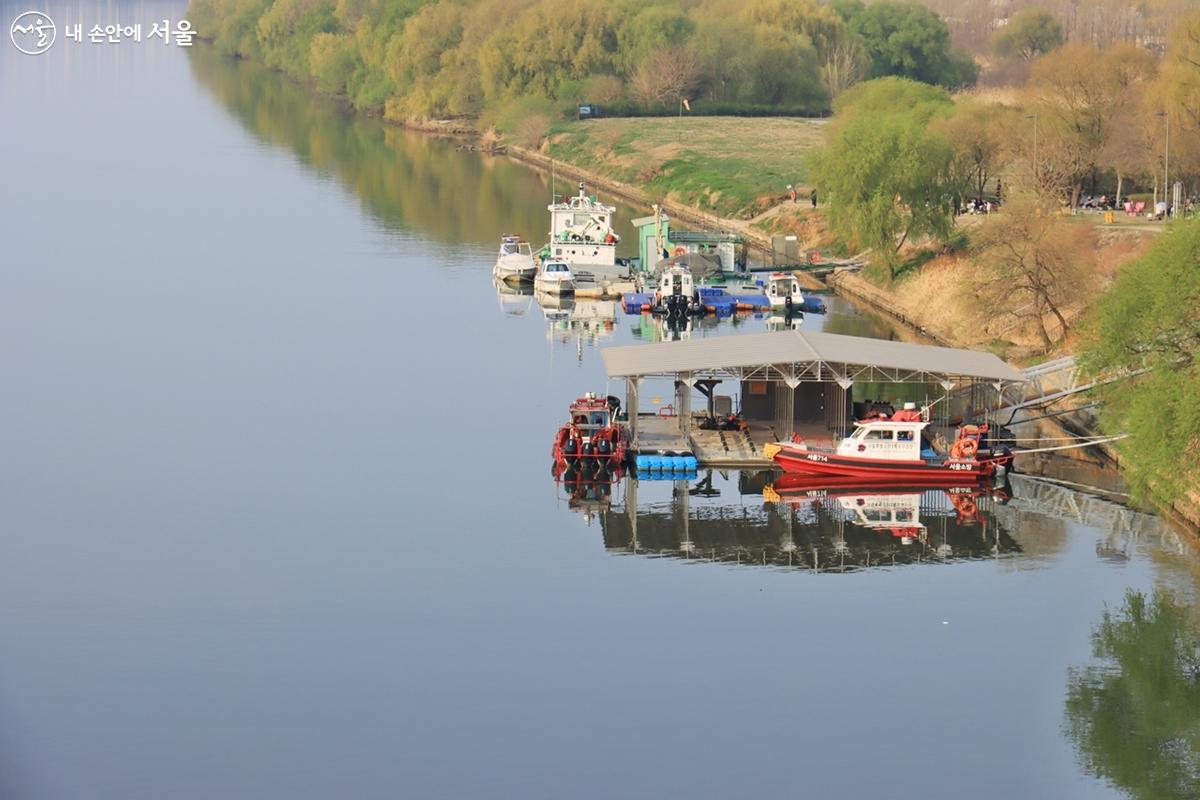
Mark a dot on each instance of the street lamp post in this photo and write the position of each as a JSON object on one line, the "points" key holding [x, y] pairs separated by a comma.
{"points": [[1166, 158], [1167, 162]]}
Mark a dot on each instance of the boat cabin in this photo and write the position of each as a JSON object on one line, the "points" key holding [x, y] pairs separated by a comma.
{"points": [[559, 269], [590, 414], [885, 440], [676, 281], [512, 245]]}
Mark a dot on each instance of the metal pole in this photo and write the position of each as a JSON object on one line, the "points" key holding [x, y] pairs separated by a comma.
{"points": [[1166, 157]]}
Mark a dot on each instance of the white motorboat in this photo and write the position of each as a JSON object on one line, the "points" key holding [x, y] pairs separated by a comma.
{"points": [[515, 262], [783, 292], [554, 277], [675, 294]]}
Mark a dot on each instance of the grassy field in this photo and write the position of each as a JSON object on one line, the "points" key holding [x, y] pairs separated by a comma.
{"points": [[733, 166]]}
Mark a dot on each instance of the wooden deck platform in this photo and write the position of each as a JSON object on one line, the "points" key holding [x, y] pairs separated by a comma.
{"points": [[732, 449], [720, 449], [661, 435]]}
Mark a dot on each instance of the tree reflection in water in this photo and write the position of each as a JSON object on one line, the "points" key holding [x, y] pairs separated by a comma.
{"points": [[1135, 716]]}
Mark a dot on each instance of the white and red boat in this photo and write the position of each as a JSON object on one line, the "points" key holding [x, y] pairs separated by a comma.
{"points": [[895, 450], [593, 438]]}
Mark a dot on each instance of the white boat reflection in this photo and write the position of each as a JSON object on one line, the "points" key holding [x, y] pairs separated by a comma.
{"points": [[515, 299], [577, 319]]}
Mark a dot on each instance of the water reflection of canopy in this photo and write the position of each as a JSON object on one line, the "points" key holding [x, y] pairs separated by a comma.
{"points": [[817, 537], [806, 355]]}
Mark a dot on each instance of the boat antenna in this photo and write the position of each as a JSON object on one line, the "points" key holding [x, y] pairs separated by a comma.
{"points": [[552, 180]]}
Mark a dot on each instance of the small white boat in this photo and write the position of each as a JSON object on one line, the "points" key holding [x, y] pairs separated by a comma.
{"points": [[554, 277], [676, 295], [783, 292], [515, 261]]}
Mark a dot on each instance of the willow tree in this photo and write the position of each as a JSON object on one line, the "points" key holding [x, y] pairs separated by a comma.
{"points": [[887, 177], [978, 132], [1030, 33], [1177, 92], [1150, 320], [1080, 95]]}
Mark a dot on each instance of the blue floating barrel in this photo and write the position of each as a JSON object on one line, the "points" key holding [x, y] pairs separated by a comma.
{"points": [[642, 462], [690, 463], [679, 464]]}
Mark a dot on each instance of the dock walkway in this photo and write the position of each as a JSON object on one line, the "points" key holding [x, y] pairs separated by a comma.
{"points": [[719, 449]]}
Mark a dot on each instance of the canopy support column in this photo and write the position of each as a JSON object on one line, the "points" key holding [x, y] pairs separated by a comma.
{"points": [[785, 410], [683, 405], [631, 408]]}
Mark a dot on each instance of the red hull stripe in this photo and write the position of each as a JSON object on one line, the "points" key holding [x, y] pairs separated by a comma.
{"points": [[828, 464]]}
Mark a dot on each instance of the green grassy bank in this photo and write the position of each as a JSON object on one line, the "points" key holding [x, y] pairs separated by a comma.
{"points": [[732, 166]]}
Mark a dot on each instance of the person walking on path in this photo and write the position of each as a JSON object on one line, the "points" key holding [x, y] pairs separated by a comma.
{"points": [[813, 198], [792, 192]]}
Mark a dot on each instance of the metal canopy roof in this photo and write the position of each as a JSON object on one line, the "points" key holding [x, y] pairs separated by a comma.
{"points": [[796, 356]]}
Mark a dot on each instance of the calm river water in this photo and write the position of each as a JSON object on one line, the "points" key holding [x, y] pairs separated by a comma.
{"points": [[278, 520]]}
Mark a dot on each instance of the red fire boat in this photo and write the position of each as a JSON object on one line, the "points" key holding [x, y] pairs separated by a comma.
{"points": [[892, 450], [593, 438]]}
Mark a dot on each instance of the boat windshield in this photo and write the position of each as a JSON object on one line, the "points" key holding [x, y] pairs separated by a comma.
{"points": [[556, 267]]}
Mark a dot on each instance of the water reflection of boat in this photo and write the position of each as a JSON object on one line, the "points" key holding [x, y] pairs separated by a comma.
{"points": [[881, 507], [785, 322], [821, 527], [555, 306], [515, 262], [569, 319], [588, 493], [515, 299]]}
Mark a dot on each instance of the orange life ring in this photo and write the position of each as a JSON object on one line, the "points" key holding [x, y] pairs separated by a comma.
{"points": [[965, 448], [679, 250]]}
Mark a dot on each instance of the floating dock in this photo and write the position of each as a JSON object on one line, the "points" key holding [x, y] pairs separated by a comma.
{"points": [[719, 449], [715, 299]]}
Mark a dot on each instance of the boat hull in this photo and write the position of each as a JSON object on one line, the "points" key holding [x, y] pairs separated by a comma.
{"points": [[514, 274], [948, 472], [555, 287]]}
